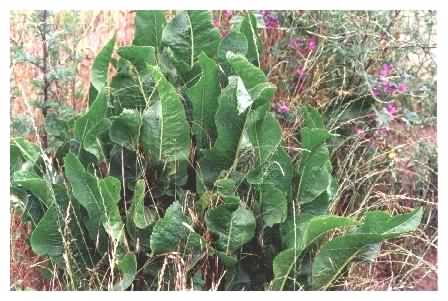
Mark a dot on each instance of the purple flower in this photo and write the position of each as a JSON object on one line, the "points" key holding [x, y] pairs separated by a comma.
{"points": [[389, 88], [385, 71], [227, 13], [270, 20], [282, 108], [312, 42], [295, 43], [402, 88], [391, 110], [376, 91]]}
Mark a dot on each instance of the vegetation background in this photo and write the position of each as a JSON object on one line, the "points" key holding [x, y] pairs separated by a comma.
{"points": [[386, 159]]}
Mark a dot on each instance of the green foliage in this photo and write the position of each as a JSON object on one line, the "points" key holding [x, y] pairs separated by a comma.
{"points": [[46, 239], [92, 124], [337, 253], [169, 230], [204, 101], [148, 28], [100, 67], [167, 165], [249, 28], [234, 228]]}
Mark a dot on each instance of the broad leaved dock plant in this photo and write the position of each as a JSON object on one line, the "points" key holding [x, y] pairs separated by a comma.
{"points": [[178, 172]]}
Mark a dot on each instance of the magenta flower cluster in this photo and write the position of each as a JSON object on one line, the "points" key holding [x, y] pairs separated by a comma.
{"points": [[281, 108], [270, 20], [227, 14], [385, 86], [302, 45]]}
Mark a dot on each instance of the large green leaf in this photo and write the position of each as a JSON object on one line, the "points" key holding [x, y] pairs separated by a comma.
{"points": [[315, 167], [204, 99], [316, 184], [336, 254], [132, 86], [169, 231], [234, 228], [249, 28], [46, 239], [110, 189], [298, 237], [274, 205], [312, 118], [190, 33], [139, 56], [249, 73], [28, 150], [229, 123], [100, 65], [235, 42], [149, 25], [92, 124], [141, 216], [380, 222], [125, 129], [165, 131], [84, 186], [99, 197], [127, 265], [38, 186], [265, 134], [238, 109], [15, 158], [272, 174]]}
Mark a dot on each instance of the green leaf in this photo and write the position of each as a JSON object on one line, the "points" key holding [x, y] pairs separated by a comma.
{"points": [[110, 189], [234, 228], [312, 118], [38, 186], [169, 231], [265, 134], [128, 268], [273, 165], [274, 205], [190, 33], [235, 42], [204, 99], [46, 240], [15, 158], [336, 254], [149, 25], [315, 166], [100, 65], [229, 124], [380, 222], [249, 28], [139, 56], [92, 124], [132, 86], [84, 186], [250, 74], [29, 151], [98, 197], [141, 217], [299, 237], [125, 129], [165, 131]]}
